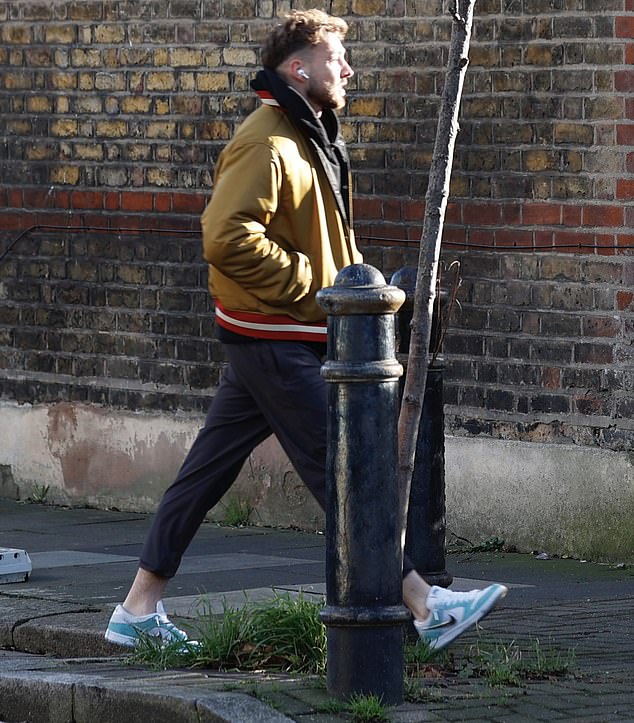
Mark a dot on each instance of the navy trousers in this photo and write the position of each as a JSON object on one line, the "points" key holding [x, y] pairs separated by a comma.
{"points": [[269, 387]]}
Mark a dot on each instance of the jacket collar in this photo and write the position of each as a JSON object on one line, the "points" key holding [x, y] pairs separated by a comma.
{"points": [[322, 132]]}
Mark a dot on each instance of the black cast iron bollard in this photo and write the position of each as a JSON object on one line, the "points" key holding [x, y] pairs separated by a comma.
{"points": [[426, 528], [364, 613]]}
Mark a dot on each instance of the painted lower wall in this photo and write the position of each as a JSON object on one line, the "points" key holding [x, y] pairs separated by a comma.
{"points": [[558, 498]]}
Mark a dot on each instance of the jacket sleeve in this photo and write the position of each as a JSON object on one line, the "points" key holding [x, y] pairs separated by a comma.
{"points": [[247, 193]]}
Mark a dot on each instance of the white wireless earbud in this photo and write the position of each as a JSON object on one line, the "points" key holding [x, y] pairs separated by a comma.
{"points": [[301, 72]]}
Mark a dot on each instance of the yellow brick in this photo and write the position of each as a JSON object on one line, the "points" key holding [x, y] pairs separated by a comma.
{"points": [[367, 132], [209, 82], [64, 128], [39, 153], [141, 56], [161, 130], [239, 56], [109, 34], [18, 81], [180, 57], [368, 7], [161, 81], [63, 81], [86, 81], [158, 177], [111, 58], [159, 57], [39, 104], [112, 129], [372, 107], [65, 174], [187, 130], [162, 107], [110, 81], [89, 152], [89, 104], [17, 34], [213, 58], [62, 104], [16, 57], [81, 57], [187, 82], [163, 153], [62, 34], [19, 127], [136, 104], [540, 160], [139, 152], [215, 130]]}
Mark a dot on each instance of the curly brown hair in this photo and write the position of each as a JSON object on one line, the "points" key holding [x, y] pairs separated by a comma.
{"points": [[301, 29]]}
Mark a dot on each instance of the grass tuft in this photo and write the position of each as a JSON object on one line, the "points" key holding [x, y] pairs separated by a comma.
{"points": [[283, 634]]}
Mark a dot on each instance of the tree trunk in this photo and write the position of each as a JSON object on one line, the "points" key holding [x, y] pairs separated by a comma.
{"points": [[431, 238]]}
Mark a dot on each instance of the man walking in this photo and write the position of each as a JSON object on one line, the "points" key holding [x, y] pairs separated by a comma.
{"points": [[277, 229]]}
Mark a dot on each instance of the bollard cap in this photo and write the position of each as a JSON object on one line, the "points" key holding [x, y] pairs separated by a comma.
{"points": [[360, 289]]}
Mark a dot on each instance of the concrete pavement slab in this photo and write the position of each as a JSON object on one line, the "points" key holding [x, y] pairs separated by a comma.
{"points": [[63, 609]]}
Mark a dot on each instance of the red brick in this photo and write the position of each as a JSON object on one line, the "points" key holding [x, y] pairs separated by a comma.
{"points": [[625, 134], [454, 236], [541, 214], [131, 222], [391, 210], [188, 203], [511, 213], [551, 377], [96, 221], [482, 214], [413, 210], [629, 102], [624, 26], [37, 198], [62, 198], [624, 300], [367, 208], [605, 244], [14, 221], [15, 198], [111, 201], [602, 216], [453, 214], [625, 188], [571, 215], [163, 202], [624, 81], [511, 238], [573, 240], [543, 239], [479, 237], [629, 54], [131, 201], [625, 241], [87, 199]]}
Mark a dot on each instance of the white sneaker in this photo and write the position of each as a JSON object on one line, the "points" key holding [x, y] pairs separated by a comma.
{"points": [[451, 613], [127, 629]]}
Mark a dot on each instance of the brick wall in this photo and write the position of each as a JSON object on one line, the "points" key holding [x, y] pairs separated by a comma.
{"points": [[112, 115]]}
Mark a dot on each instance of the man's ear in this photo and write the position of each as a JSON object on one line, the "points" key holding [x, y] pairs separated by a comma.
{"points": [[297, 70]]}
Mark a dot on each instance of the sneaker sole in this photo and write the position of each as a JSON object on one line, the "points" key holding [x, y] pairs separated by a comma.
{"points": [[482, 612], [119, 639]]}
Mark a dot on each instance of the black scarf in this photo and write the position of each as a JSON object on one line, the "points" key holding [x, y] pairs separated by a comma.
{"points": [[323, 134]]}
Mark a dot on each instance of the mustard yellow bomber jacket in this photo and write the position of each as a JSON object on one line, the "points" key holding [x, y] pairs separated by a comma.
{"points": [[273, 234]]}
